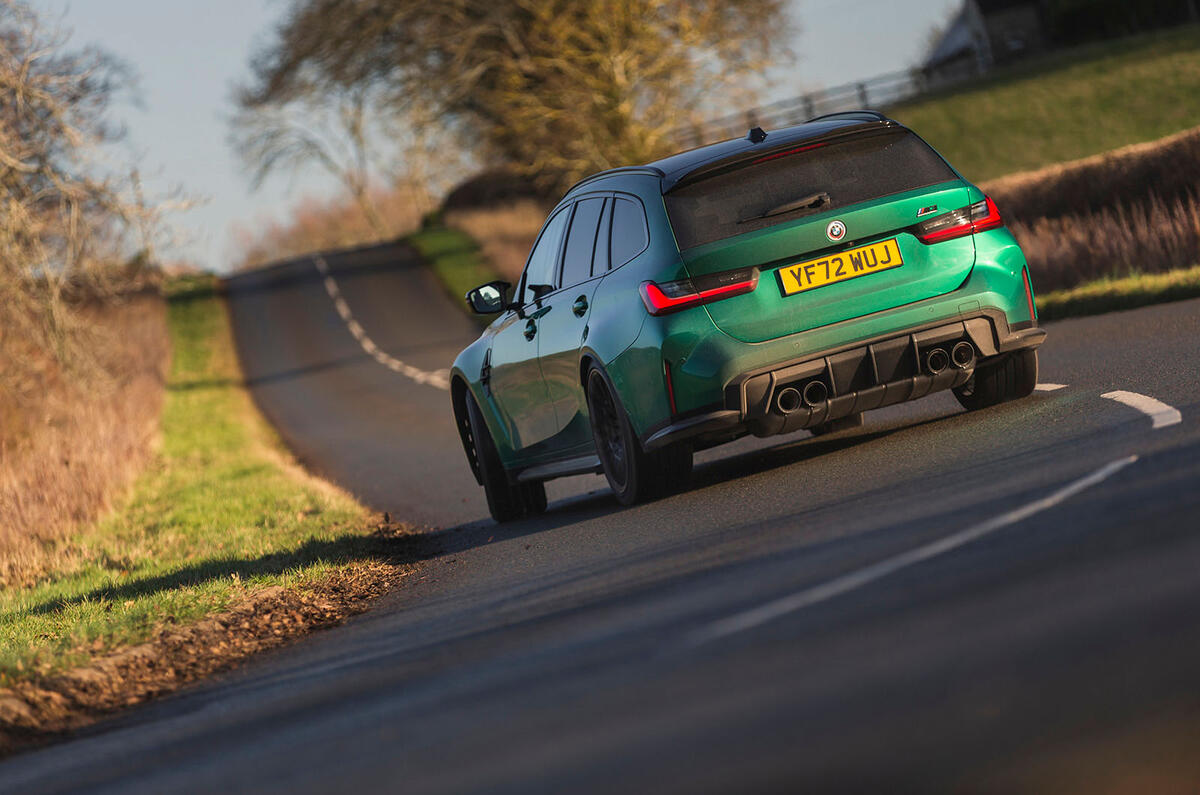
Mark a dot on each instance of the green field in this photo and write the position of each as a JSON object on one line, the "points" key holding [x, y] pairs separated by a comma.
{"points": [[1065, 106], [221, 513]]}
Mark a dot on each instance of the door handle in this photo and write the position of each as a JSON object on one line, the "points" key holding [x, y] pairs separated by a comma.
{"points": [[530, 329], [580, 306]]}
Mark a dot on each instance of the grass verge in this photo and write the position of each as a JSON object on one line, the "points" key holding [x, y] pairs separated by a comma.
{"points": [[505, 233], [1065, 106], [1128, 292], [456, 260], [224, 547]]}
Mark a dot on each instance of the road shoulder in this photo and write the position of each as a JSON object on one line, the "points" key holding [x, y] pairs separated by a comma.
{"points": [[224, 548]]}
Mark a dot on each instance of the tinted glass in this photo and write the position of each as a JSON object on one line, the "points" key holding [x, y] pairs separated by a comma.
{"points": [[544, 258], [581, 240], [857, 170], [600, 258], [629, 236]]}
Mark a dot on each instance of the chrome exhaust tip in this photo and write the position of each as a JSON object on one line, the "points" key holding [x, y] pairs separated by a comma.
{"points": [[788, 400], [815, 393], [963, 355], [936, 361]]}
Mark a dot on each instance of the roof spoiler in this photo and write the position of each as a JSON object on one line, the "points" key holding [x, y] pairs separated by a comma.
{"points": [[869, 122], [865, 115], [652, 171]]}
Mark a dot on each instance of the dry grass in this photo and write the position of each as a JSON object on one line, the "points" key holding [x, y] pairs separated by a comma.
{"points": [[74, 430], [316, 225], [1152, 236], [505, 233], [1168, 168], [1132, 210]]}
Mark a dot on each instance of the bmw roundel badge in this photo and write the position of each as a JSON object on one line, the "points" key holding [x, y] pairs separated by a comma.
{"points": [[835, 231]]}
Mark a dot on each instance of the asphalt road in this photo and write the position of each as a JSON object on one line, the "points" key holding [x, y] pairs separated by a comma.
{"points": [[1005, 601]]}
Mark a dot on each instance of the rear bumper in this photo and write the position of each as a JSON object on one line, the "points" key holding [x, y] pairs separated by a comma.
{"points": [[866, 375]]}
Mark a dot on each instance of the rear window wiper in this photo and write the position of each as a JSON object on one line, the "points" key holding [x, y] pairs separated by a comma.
{"points": [[811, 202]]}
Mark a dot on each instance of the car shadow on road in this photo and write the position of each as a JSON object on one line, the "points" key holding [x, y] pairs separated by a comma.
{"points": [[599, 503], [394, 544]]}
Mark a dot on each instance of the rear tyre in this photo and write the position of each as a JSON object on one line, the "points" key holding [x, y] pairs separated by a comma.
{"points": [[994, 383], [505, 501], [632, 473], [674, 464], [533, 495], [833, 426]]}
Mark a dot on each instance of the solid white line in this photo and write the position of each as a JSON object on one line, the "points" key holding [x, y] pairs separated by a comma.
{"points": [[1160, 414], [439, 379], [1049, 387], [777, 608]]}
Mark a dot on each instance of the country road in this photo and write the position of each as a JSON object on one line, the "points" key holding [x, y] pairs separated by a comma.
{"points": [[1004, 601]]}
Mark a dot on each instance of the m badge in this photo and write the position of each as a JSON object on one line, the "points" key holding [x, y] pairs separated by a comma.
{"points": [[835, 231]]}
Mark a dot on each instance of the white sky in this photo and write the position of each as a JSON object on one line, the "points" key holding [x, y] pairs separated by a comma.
{"points": [[189, 53]]}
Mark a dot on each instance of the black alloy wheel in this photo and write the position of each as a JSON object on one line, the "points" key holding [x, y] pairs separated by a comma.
{"points": [[609, 432], [632, 473], [506, 501]]}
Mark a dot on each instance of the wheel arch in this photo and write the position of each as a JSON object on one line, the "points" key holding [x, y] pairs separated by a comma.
{"points": [[458, 399], [587, 359]]}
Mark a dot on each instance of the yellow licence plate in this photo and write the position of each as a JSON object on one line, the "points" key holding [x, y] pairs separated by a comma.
{"points": [[840, 267]]}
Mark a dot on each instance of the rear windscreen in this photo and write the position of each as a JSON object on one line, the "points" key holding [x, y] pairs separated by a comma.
{"points": [[794, 184]]}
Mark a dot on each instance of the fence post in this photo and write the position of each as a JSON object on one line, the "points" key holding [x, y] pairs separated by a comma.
{"points": [[862, 95], [809, 110]]}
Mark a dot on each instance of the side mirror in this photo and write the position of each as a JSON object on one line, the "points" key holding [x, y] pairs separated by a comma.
{"points": [[488, 299]]}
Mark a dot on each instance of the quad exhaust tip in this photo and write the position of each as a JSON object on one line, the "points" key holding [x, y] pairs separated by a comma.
{"points": [[815, 393], [788, 400], [963, 355], [936, 361]]}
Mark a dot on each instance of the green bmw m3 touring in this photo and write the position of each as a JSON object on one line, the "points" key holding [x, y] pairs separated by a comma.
{"points": [[788, 280]]}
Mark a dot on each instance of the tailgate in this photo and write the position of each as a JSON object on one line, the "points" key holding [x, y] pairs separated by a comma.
{"points": [[832, 288]]}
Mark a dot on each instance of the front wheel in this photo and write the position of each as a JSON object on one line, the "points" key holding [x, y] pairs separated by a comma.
{"points": [[632, 473], [994, 383], [506, 501]]}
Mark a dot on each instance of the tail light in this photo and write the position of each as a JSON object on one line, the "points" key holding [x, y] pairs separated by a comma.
{"points": [[979, 217], [668, 297]]}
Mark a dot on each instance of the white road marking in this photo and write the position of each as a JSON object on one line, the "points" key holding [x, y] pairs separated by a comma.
{"points": [[740, 622], [1049, 387], [439, 379], [1161, 415]]}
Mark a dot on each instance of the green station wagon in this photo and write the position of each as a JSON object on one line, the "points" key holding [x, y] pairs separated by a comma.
{"points": [[788, 280]]}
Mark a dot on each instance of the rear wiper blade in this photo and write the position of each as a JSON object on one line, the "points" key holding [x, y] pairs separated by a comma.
{"points": [[811, 202]]}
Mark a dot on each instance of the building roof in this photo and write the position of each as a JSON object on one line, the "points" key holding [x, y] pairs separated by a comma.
{"points": [[956, 41]]}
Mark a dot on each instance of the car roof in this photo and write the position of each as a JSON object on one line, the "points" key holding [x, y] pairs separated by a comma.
{"points": [[674, 169]]}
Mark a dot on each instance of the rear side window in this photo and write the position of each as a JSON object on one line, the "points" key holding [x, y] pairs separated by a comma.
{"points": [[629, 234], [830, 176], [581, 240], [543, 260]]}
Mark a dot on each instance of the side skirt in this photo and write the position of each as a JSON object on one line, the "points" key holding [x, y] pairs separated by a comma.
{"points": [[580, 465]]}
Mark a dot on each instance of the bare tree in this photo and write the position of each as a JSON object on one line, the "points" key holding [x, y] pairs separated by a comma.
{"points": [[557, 87], [331, 130], [64, 219]]}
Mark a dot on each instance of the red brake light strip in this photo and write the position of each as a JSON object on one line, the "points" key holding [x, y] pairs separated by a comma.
{"points": [[659, 303]]}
